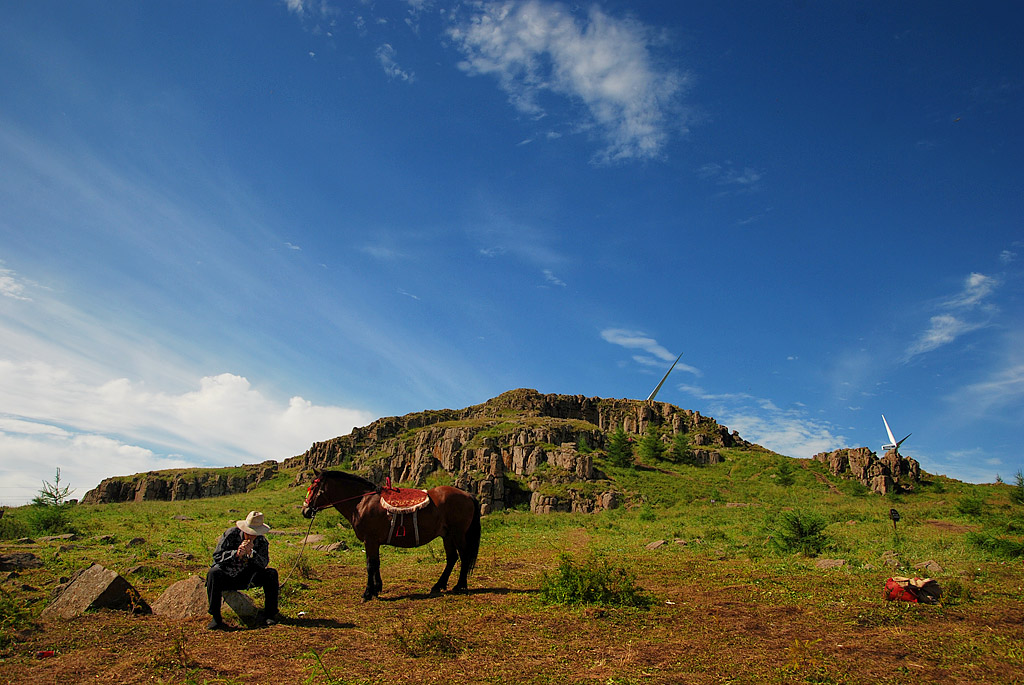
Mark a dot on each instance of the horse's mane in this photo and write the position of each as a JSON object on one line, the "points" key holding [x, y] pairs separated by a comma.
{"points": [[350, 477]]}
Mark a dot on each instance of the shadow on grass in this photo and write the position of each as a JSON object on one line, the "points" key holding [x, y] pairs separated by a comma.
{"points": [[471, 591]]}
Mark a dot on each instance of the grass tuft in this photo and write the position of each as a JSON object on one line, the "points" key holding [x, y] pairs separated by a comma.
{"points": [[594, 582]]}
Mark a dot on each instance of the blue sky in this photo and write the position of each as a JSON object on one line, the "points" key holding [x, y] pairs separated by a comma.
{"points": [[230, 230]]}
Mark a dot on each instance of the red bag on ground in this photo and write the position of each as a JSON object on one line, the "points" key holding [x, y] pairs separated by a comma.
{"points": [[903, 589]]}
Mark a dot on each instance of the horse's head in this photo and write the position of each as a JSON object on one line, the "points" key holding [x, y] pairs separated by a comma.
{"points": [[311, 505]]}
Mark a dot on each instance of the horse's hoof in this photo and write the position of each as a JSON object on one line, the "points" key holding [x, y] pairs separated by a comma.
{"points": [[435, 591], [460, 589]]}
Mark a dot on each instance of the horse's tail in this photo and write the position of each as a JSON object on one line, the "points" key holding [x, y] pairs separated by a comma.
{"points": [[472, 546]]}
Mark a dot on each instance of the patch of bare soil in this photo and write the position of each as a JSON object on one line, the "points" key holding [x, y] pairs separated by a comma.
{"points": [[699, 632], [951, 527]]}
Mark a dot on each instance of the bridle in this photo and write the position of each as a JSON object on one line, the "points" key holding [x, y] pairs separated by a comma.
{"points": [[314, 491]]}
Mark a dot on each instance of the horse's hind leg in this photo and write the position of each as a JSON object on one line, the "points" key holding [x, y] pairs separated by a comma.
{"points": [[373, 582], [451, 553]]}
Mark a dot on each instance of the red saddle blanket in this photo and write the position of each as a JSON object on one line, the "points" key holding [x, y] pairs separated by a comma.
{"points": [[402, 500]]}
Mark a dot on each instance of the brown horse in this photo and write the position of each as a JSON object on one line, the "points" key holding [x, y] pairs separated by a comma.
{"points": [[451, 514]]}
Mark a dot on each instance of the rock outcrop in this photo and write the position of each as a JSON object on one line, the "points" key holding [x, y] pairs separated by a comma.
{"points": [[891, 473], [94, 588], [519, 436], [180, 485]]}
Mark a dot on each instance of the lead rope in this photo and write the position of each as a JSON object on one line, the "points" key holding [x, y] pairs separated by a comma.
{"points": [[301, 550]]}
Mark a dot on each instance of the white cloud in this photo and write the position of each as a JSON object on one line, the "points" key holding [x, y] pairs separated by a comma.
{"points": [[657, 356], [636, 340], [11, 286], [386, 56], [960, 316], [120, 427], [603, 62], [1007, 256], [551, 278], [976, 288], [786, 431], [944, 329]]}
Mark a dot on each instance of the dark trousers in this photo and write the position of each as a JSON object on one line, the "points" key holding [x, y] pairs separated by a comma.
{"points": [[217, 581]]}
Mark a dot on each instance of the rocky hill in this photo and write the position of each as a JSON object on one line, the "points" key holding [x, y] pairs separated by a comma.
{"points": [[507, 449], [520, 448]]}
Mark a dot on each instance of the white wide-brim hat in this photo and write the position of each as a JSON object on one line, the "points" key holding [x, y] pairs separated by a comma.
{"points": [[253, 524]]}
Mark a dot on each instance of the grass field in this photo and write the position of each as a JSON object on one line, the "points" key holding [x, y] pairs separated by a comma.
{"points": [[729, 599]]}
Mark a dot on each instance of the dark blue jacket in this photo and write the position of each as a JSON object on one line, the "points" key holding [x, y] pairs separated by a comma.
{"points": [[226, 555]]}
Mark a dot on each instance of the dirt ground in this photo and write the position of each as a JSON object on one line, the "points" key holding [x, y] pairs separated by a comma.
{"points": [[499, 633]]}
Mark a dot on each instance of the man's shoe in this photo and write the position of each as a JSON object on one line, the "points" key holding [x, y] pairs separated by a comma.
{"points": [[271, 620], [216, 624]]}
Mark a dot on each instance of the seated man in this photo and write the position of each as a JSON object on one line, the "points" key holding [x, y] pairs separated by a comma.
{"points": [[242, 560]]}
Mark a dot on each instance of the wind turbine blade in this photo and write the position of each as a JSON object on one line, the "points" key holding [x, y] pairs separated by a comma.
{"points": [[892, 438], [651, 396], [901, 441]]}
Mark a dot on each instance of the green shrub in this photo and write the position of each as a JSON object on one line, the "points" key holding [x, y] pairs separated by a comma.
{"points": [[784, 474], [12, 528], [800, 531], [13, 617], [651, 448], [50, 520], [971, 505], [996, 546], [1017, 494], [680, 452], [595, 581], [620, 449]]}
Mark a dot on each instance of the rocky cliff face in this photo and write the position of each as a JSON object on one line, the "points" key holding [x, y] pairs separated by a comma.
{"points": [[177, 485], [891, 473], [541, 439]]}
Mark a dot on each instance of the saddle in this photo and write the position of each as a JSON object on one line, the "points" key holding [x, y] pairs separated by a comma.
{"points": [[401, 501]]}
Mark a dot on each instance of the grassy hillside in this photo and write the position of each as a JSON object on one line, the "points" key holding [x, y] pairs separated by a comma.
{"points": [[736, 595]]}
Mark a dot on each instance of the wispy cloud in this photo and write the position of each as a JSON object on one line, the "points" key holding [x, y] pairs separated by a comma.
{"points": [[386, 55], [959, 315], [605, 63], [786, 431], [11, 286], [551, 278], [656, 357]]}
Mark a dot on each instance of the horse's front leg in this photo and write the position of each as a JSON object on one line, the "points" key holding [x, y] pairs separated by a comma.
{"points": [[451, 553], [373, 581]]}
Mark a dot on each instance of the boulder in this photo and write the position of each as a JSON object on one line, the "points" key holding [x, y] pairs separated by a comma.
{"points": [[19, 560], [95, 588], [830, 563], [241, 604], [184, 599]]}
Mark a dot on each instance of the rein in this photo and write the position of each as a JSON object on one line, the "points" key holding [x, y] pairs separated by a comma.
{"points": [[312, 518]]}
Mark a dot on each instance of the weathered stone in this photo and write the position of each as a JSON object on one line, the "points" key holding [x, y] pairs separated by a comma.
{"points": [[95, 588], [184, 599], [931, 566], [135, 542], [59, 538], [829, 563], [655, 545], [19, 560], [241, 604]]}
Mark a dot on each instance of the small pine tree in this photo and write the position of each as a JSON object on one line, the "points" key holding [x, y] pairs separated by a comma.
{"points": [[680, 452], [620, 451], [52, 494], [1017, 494], [785, 474], [651, 448]]}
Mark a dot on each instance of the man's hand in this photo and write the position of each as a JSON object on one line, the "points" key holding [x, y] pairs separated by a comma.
{"points": [[245, 549]]}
